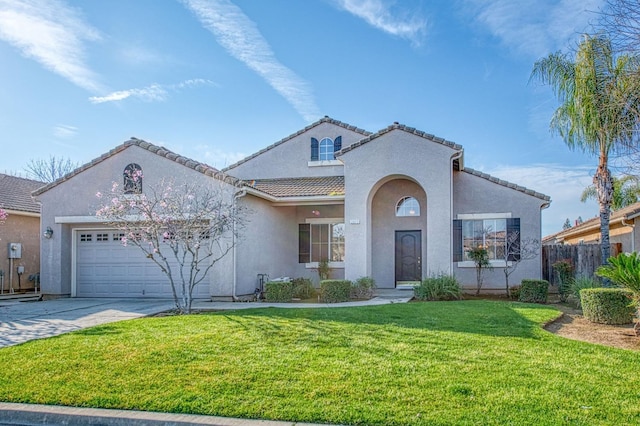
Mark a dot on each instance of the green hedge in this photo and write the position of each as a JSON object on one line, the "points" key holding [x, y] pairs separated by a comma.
{"points": [[332, 291], [303, 288], [607, 305], [363, 288], [534, 291], [278, 291]]}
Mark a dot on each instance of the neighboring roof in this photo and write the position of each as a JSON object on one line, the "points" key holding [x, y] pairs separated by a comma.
{"points": [[507, 184], [300, 187], [626, 213], [158, 150], [325, 119], [397, 126], [15, 193]]}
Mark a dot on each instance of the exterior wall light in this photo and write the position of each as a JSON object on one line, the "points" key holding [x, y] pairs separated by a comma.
{"points": [[48, 233]]}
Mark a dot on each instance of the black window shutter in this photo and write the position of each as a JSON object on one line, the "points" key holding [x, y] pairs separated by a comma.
{"points": [[337, 144], [513, 226], [314, 149], [304, 243], [457, 240]]}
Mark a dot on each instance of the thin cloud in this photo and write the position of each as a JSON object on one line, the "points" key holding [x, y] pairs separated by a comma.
{"points": [[53, 34], [63, 131], [235, 32], [153, 93], [534, 27], [563, 184], [217, 157], [379, 15]]}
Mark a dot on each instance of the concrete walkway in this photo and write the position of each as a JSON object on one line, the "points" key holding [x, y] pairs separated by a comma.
{"points": [[24, 321]]}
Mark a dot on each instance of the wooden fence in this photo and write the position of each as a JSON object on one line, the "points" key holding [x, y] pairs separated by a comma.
{"points": [[585, 258]]}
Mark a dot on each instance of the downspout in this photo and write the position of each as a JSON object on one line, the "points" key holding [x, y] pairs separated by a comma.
{"points": [[454, 157], [240, 194], [633, 233]]}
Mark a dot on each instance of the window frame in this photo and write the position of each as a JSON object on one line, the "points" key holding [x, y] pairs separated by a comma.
{"points": [[132, 185], [511, 225], [305, 236], [401, 206]]}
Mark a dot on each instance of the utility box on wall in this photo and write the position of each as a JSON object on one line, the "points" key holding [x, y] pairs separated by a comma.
{"points": [[14, 250]]}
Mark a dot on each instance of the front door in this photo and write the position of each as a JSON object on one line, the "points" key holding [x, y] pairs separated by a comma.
{"points": [[408, 257]]}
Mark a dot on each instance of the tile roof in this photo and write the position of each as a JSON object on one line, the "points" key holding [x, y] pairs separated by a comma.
{"points": [[325, 119], [15, 193], [397, 126], [594, 223], [158, 150], [300, 187], [507, 184]]}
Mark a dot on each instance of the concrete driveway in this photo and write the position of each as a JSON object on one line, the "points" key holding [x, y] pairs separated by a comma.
{"points": [[24, 321]]}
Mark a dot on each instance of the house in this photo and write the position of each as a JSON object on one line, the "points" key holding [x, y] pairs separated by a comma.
{"points": [[396, 205], [20, 234], [622, 230]]}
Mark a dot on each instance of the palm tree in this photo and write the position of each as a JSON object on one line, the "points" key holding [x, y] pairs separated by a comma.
{"points": [[599, 109], [626, 191]]}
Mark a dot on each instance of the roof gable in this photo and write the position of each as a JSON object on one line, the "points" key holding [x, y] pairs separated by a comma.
{"points": [[507, 184], [15, 193], [325, 119], [158, 150], [402, 127]]}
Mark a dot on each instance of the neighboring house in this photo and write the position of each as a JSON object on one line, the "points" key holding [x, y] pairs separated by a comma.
{"points": [[622, 230], [21, 231], [396, 205]]}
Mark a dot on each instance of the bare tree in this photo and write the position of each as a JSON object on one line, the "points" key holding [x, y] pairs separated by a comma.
{"points": [[185, 229], [620, 20], [51, 169], [516, 250]]}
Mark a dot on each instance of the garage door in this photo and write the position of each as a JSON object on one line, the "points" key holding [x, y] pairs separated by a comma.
{"points": [[106, 268]]}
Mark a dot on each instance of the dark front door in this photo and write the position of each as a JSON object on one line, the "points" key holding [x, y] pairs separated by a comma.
{"points": [[408, 256]]}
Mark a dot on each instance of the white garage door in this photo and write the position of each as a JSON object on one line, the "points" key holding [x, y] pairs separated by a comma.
{"points": [[106, 268]]}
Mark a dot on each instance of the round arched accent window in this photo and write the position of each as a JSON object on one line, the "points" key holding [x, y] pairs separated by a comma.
{"points": [[408, 206]]}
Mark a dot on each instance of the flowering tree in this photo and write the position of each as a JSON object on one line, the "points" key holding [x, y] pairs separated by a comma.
{"points": [[183, 228], [3, 215]]}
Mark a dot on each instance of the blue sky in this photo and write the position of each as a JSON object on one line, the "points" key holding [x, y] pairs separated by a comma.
{"points": [[216, 80]]}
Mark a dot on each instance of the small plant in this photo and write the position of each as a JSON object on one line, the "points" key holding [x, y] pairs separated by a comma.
{"points": [[579, 284], [514, 292], [534, 291], [278, 291], [607, 305], [303, 288], [363, 288], [564, 275], [438, 287], [624, 270], [333, 291], [480, 257], [324, 271]]}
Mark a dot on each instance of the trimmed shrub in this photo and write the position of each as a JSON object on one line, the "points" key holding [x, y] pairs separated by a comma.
{"points": [[438, 287], [333, 291], [580, 284], [363, 288], [534, 291], [278, 291], [607, 305], [303, 288]]}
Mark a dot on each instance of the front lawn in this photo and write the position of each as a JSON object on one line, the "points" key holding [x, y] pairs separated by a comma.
{"points": [[467, 362]]}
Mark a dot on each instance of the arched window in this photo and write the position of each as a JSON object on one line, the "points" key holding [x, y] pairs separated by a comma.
{"points": [[326, 149], [132, 176], [408, 206]]}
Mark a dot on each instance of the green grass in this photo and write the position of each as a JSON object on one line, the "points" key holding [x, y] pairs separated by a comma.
{"points": [[466, 362]]}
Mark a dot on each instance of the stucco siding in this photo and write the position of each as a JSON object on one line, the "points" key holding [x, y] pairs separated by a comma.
{"points": [[291, 158], [26, 231], [476, 195], [77, 197], [397, 155]]}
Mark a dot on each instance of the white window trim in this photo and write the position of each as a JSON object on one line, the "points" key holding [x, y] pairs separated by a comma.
{"points": [[324, 163], [479, 216], [324, 220], [495, 263], [333, 265]]}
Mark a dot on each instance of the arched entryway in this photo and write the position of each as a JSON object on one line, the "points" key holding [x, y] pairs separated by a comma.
{"points": [[398, 232]]}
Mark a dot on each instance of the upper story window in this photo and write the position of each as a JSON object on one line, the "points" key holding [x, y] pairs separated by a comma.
{"points": [[408, 206], [132, 176], [325, 149]]}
